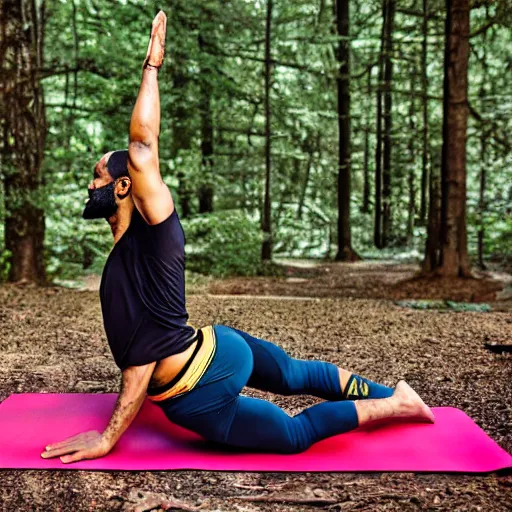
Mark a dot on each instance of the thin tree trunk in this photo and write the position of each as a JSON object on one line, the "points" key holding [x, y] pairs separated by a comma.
{"points": [[181, 125], [424, 90], [411, 210], [453, 258], [387, 142], [366, 156], [207, 172], [481, 201], [181, 136], [22, 121], [377, 231], [433, 244], [345, 251], [266, 220], [310, 149], [69, 116], [483, 161]]}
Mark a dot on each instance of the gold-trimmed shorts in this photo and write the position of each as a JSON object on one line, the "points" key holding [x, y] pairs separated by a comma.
{"points": [[194, 369]]}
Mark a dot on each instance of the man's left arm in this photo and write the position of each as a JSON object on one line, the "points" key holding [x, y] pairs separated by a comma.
{"points": [[93, 444]]}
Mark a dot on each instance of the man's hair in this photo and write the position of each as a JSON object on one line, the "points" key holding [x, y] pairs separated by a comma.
{"points": [[117, 164]]}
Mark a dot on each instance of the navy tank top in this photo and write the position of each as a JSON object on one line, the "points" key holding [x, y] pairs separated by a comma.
{"points": [[142, 293]]}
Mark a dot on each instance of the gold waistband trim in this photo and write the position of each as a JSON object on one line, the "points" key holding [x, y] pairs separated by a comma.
{"points": [[196, 370]]}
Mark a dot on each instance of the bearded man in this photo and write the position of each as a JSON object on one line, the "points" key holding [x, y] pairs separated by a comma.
{"points": [[196, 375]]}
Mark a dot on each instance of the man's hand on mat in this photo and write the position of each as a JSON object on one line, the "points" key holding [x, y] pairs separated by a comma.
{"points": [[88, 445], [156, 46]]}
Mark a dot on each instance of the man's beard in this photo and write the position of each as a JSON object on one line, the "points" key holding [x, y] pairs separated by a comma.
{"points": [[101, 204]]}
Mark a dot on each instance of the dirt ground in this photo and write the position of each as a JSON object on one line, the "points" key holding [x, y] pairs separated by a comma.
{"points": [[52, 340], [368, 280]]}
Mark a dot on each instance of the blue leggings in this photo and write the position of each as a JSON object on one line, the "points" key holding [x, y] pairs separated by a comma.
{"points": [[215, 409]]}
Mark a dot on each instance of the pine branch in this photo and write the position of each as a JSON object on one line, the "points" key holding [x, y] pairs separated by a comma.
{"points": [[484, 28]]}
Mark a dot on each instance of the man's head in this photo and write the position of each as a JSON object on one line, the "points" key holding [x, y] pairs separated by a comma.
{"points": [[111, 184]]}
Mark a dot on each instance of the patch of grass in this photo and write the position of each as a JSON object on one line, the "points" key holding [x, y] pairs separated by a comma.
{"points": [[447, 305]]}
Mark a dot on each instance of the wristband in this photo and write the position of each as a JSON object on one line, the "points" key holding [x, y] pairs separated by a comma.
{"points": [[148, 65]]}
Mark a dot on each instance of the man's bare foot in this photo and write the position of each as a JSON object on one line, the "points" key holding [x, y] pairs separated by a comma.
{"points": [[409, 404]]}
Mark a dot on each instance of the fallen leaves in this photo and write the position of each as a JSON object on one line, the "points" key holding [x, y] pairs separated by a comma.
{"points": [[142, 501]]}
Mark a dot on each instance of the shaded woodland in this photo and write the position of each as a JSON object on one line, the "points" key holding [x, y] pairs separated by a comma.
{"points": [[309, 146], [325, 129]]}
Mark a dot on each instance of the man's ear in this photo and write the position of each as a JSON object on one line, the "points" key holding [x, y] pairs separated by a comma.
{"points": [[123, 187]]}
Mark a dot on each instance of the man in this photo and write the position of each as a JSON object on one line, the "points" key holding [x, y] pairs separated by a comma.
{"points": [[196, 376]]}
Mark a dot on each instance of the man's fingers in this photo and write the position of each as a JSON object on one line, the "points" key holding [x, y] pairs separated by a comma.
{"points": [[159, 26], [70, 440], [160, 17], [63, 450], [75, 457], [63, 443]]}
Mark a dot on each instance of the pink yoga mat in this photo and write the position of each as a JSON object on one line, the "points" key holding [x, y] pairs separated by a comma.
{"points": [[28, 422]]}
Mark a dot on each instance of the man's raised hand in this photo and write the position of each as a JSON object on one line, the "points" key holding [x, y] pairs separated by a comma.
{"points": [[156, 46]]}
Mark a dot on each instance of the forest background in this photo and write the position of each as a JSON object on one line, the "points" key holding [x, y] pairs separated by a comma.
{"points": [[311, 129]]}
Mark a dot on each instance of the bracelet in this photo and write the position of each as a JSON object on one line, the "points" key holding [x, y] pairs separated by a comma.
{"points": [[147, 64]]}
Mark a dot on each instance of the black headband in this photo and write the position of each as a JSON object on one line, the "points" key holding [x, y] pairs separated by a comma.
{"points": [[117, 164]]}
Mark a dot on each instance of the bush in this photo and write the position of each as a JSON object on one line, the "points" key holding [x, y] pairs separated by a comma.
{"points": [[5, 264], [223, 244]]}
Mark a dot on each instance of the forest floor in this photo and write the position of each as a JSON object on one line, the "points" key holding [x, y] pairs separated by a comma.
{"points": [[52, 340]]}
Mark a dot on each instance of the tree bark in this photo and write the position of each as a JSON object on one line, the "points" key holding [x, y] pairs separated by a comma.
{"points": [[481, 200], [308, 147], [365, 208], [181, 135], [388, 121], [483, 160], [345, 251], [433, 244], [377, 231], [424, 90], [453, 261], [23, 126], [411, 210], [182, 126], [207, 161], [266, 220]]}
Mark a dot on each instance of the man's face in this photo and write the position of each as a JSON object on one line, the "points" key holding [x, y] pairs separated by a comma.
{"points": [[102, 201]]}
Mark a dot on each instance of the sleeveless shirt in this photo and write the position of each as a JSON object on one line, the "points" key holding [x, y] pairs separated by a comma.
{"points": [[142, 293]]}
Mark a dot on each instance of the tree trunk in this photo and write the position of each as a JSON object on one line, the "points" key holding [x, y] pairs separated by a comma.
{"points": [[181, 124], [207, 171], [424, 91], [481, 201], [387, 142], [23, 126], [433, 245], [365, 208], [181, 136], [266, 221], [302, 198], [453, 260], [483, 159], [345, 251], [411, 210], [377, 231]]}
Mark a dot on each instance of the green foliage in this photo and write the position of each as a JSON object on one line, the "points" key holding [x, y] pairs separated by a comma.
{"points": [[445, 305], [91, 76], [5, 264], [222, 244]]}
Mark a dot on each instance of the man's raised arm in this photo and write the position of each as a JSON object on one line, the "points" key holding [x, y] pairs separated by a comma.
{"points": [[150, 194]]}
